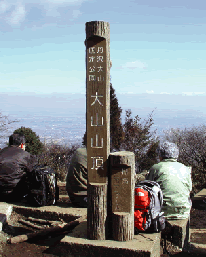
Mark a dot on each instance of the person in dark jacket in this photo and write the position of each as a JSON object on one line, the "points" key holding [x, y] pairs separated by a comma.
{"points": [[76, 180], [15, 162]]}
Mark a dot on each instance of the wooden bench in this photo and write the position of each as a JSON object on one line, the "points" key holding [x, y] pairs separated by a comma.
{"points": [[197, 200], [178, 233]]}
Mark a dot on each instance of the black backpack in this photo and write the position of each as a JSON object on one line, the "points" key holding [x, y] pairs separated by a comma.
{"points": [[42, 186]]}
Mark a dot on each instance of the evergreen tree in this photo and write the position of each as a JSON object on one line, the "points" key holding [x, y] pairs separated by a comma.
{"points": [[33, 144], [116, 129]]}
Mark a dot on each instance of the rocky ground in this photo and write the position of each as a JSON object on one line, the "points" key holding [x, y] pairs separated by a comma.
{"points": [[43, 246]]}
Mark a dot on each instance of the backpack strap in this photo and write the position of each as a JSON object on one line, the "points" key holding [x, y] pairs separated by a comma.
{"points": [[151, 184]]}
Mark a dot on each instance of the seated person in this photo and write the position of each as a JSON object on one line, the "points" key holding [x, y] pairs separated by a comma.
{"points": [[76, 180], [14, 163], [175, 181]]}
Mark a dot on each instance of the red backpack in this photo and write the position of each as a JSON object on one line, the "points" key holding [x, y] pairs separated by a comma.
{"points": [[148, 206]]}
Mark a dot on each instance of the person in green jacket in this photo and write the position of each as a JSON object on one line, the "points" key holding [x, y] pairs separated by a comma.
{"points": [[76, 180], [175, 181]]}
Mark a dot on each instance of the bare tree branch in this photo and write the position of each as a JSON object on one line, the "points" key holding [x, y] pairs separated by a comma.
{"points": [[5, 123]]}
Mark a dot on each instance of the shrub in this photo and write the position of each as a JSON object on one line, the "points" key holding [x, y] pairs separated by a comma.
{"points": [[57, 157], [192, 145]]}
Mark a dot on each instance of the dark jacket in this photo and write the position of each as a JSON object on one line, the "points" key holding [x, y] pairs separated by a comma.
{"points": [[76, 181], [14, 163]]}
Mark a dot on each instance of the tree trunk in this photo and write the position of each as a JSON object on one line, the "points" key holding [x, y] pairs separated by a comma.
{"points": [[96, 211], [45, 232], [122, 226]]}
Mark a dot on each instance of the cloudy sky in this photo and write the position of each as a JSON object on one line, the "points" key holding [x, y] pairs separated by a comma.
{"points": [[157, 47]]}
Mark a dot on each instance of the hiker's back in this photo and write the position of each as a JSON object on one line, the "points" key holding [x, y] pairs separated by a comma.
{"points": [[14, 153], [175, 181], [15, 162], [13, 165], [76, 180]]}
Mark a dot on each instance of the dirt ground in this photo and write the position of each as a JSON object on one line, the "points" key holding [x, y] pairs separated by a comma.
{"points": [[33, 247], [42, 246]]}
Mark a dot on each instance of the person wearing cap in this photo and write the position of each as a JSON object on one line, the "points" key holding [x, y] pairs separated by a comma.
{"points": [[15, 162], [175, 181]]}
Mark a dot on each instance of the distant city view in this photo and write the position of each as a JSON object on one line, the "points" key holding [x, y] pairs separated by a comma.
{"points": [[62, 120]]}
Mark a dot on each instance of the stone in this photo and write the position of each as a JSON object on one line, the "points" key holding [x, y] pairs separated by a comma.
{"points": [[76, 244], [5, 213], [180, 233]]}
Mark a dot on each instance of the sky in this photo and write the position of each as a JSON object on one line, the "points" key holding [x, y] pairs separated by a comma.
{"points": [[157, 47], [157, 50]]}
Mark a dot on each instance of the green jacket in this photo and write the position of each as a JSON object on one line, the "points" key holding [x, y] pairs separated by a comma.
{"points": [[175, 181], [76, 180]]}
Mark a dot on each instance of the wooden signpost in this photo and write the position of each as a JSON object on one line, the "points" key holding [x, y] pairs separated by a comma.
{"points": [[122, 170], [98, 125], [121, 188], [110, 208]]}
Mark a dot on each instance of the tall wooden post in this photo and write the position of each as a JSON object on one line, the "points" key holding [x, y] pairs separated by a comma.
{"points": [[98, 125]]}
